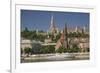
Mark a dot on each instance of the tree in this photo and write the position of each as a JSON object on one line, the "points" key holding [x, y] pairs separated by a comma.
{"points": [[51, 49], [44, 50], [22, 51], [27, 51], [25, 33], [62, 50], [47, 49], [40, 37], [74, 49], [57, 37], [59, 50]]}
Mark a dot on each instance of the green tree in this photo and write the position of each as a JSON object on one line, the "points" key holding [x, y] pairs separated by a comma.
{"points": [[22, 51], [57, 37], [25, 33], [74, 49], [61, 50], [47, 49], [51, 49], [27, 51], [44, 50]]}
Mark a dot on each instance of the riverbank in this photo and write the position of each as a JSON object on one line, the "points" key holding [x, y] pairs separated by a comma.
{"points": [[55, 57]]}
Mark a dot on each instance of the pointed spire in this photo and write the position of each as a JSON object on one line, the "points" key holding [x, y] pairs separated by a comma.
{"points": [[84, 28], [52, 20], [63, 41], [52, 25], [76, 29], [37, 31], [65, 27], [65, 36]]}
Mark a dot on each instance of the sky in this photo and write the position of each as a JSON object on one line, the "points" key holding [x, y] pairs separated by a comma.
{"points": [[41, 20]]}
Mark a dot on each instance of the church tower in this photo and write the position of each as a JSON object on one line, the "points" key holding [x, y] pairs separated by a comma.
{"points": [[63, 41], [84, 29], [76, 29], [53, 29]]}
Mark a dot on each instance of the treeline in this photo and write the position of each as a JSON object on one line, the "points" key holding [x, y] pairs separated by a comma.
{"points": [[78, 34], [32, 35], [51, 49]]}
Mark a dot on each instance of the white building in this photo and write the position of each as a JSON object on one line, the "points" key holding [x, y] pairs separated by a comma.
{"points": [[25, 43]]}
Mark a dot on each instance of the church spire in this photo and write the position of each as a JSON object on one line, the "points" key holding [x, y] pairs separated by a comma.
{"points": [[52, 25], [63, 41], [52, 20], [65, 36], [76, 29], [84, 29]]}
